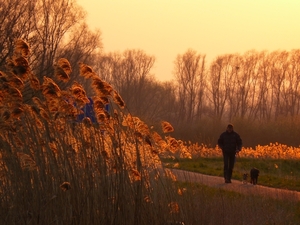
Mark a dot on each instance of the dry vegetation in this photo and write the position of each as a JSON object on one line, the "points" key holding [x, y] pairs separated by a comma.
{"points": [[271, 151], [55, 170]]}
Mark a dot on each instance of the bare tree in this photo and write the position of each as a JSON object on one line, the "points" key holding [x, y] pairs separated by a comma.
{"points": [[129, 73], [52, 21], [189, 70], [217, 88], [108, 67], [264, 97], [278, 71], [82, 46], [247, 72], [53, 29], [249, 84], [15, 22], [290, 92], [232, 84]]}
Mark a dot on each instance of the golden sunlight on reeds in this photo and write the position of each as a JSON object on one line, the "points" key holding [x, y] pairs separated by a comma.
{"points": [[135, 175], [271, 151], [170, 175], [62, 169]]}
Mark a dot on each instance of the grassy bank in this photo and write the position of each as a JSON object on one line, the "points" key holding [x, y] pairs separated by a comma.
{"points": [[207, 205]]}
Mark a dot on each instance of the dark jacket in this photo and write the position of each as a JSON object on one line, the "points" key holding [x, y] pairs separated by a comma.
{"points": [[254, 172], [230, 141]]}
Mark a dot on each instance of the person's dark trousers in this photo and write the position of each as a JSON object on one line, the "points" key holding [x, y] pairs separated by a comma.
{"points": [[229, 159]]}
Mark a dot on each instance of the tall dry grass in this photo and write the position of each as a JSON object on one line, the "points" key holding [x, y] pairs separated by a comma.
{"points": [[54, 170]]}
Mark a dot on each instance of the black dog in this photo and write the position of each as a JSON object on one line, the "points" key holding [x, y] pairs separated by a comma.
{"points": [[254, 173]]}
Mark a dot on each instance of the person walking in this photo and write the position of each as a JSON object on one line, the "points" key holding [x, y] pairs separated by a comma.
{"points": [[231, 143]]}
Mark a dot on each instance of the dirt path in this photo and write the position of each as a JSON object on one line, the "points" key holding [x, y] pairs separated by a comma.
{"points": [[236, 185]]}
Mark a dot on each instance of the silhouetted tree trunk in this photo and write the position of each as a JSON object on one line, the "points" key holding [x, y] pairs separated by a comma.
{"points": [[291, 97], [190, 77], [217, 88]]}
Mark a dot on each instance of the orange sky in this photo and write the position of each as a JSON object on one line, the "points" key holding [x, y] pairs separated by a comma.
{"points": [[166, 28]]}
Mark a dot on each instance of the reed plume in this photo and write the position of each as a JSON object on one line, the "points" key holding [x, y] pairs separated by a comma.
{"points": [[86, 71], [22, 48], [87, 122], [34, 82], [101, 116], [166, 127], [130, 121], [67, 109], [38, 103], [143, 128], [78, 93], [16, 82], [44, 114], [5, 115], [62, 70], [19, 66], [118, 100], [173, 142], [50, 89], [52, 94], [101, 87], [98, 103], [135, 175], [157, 138], [99, 108], [14, 95], [17, 112], [104, 100]]}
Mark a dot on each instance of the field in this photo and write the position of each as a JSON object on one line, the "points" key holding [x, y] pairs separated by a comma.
{"points": [[55, 169]]}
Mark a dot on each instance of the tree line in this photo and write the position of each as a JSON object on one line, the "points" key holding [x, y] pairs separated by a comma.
{"points": [[253, 89]]}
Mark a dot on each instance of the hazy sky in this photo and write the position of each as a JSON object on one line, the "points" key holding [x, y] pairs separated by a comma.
{"points": [[166, 28]]}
